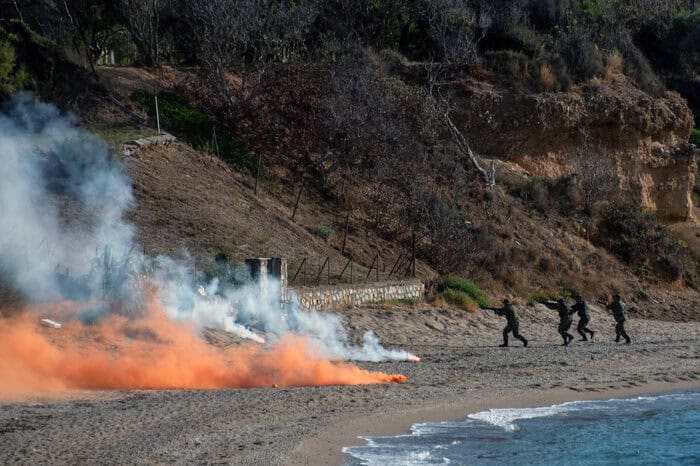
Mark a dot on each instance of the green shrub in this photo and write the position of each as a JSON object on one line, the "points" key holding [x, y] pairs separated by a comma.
{"points": [[695, 137], [12, 77], [458, 298], [540, 296], [470, 289], [323, 231], [196, 128]]}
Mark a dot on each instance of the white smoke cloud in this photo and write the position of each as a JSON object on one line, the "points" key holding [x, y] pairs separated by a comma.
{"points": [[48, 161]]}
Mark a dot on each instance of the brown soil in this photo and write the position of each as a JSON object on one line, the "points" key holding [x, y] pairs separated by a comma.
{"points": [[189, 201]]}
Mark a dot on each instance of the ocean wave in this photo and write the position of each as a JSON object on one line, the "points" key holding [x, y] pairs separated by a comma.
{"points": [[666, 433], [506, 417]]}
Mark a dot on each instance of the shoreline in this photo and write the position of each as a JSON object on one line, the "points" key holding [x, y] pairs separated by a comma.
{"points": [[461, 372], [326, 448]]}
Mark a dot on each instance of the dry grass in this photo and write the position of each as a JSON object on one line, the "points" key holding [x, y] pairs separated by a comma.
{"points": [[548, 79], [614, 65]]}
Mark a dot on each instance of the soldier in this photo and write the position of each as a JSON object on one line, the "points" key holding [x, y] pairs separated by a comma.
{"points": [[584, 317], [618, 312], [508, 310], [564, 319]]}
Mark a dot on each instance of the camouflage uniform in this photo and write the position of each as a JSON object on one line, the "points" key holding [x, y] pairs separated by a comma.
{"points": [[508, 310], [618, 311], [584, 317], [564, 320]]}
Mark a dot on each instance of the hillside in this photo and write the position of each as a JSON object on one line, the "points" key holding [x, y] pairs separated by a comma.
{"points": [[538, 150], [191, 201]]}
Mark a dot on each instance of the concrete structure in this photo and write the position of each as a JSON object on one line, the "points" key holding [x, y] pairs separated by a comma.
{"points": [[267, 271], [331, 297]]}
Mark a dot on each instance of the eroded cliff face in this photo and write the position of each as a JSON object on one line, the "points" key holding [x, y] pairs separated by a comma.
{"points": [[613, 135]]}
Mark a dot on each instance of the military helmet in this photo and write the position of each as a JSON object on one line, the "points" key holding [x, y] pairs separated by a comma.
{"points": [[616, 296], [506, 301], [560, 300]]}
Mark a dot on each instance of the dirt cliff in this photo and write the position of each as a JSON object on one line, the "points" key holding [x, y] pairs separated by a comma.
{"points": [[614, 135]]}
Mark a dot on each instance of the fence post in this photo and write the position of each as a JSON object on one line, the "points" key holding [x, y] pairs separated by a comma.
{"points": [[371, 266], [215, 142], [296, 204], [351, 270], [345, 236], [413, 247], [303, 262], [320, 271], [397, 265], [257, 176], [379, 260], [157, 114]]}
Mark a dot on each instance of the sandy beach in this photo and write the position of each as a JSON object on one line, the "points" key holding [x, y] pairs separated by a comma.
{"points": [[461, 372]]}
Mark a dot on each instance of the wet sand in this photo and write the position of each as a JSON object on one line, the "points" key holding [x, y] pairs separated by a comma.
{"points": [[462, 372]]}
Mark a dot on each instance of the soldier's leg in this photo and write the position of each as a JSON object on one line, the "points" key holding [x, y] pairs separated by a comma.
{"points": [[564, 334], [506, 331], [591, 332], [568, 335], [581, 329], [623, 333], [618, 332], [516, 334], [560, 329]]}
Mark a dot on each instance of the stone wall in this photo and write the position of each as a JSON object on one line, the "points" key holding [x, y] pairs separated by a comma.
{"points": [[338, 296]]}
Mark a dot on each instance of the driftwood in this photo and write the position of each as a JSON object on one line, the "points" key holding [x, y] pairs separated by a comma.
{"points": [[458, 138]]}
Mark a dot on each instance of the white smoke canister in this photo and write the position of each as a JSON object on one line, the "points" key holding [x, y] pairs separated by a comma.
{"points": [[50, 323]]}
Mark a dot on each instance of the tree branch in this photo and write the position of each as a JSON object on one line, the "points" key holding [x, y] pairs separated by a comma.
{"points": [[458, 138]]}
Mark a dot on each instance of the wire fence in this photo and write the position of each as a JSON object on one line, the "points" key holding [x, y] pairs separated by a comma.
{"points": [[324, 270]]}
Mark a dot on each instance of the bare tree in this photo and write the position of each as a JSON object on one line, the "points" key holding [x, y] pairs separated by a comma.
{"points": [[458, 138], [142, 19], [456, 27]]}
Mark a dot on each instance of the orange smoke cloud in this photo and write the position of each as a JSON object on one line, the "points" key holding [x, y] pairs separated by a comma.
{"points": [[153, 352]]}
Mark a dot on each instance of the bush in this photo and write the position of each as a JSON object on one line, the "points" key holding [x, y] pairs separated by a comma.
{"points": [[459, 298], [544, 196], [614, 65], [196, 128], [695, 137], [323, 231], [581, 55], [510, 63], [467, 287], [540, 296], [638, 239], [12, 78]]}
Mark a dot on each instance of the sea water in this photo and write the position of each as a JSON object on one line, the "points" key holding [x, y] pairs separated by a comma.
{"points": [[645, 430]]}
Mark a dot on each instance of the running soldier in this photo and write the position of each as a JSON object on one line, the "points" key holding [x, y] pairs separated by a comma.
{"points": [[508, 310], [564, 319], [583, 317], [618, 312]]}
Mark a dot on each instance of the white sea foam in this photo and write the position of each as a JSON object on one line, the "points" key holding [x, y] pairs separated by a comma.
{"points": [[505, 418], [470, 441]]}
